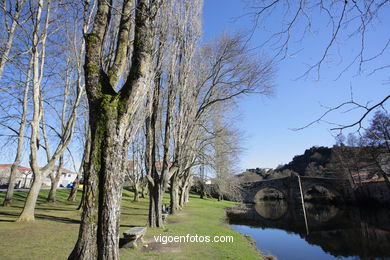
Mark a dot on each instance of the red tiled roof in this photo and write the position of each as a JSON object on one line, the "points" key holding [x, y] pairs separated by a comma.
{"points": [[374, 180], [20, 168], [360, 174]]}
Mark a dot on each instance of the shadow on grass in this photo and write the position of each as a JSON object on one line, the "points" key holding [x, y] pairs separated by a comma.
{"points": [[56, 209], [130, 208], [134, 214], [57, 219], [39, 216], [2, 213]]}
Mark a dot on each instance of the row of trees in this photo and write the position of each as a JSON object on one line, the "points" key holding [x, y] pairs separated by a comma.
{"points": [[153, 95]]}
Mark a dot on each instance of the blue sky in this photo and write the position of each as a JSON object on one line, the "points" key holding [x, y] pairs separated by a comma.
{"points": [[295, 102], [267, 121]]}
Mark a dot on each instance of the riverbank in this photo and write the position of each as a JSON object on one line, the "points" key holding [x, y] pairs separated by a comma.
{"points": [[53, 234]]}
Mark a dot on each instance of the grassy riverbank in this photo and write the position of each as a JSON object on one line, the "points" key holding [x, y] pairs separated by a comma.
{"points": [[55, 230]]}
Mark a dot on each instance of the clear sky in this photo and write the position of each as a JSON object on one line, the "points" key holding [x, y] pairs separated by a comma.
{"points": [[267, 120]]}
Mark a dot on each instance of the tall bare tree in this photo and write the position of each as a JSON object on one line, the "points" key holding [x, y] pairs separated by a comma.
{"points": [[38, 47], [224, 70]]}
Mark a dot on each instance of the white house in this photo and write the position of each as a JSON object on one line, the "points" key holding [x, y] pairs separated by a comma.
{"points": [[24, 176], [67, 177]]}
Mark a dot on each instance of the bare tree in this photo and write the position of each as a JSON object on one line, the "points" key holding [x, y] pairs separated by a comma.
{"points": [[40, 36], [225, 70]]}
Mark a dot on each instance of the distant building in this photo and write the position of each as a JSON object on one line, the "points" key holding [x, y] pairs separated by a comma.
{"points": [[67, 177], [24, 176], [366, 177]]}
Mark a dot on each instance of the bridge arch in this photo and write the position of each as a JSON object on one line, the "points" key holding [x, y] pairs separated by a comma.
{"points": [[269, 192], [272, 210], [319, 192]]}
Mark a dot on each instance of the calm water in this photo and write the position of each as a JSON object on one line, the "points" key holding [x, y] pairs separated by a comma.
{"points": [[332, 232]]}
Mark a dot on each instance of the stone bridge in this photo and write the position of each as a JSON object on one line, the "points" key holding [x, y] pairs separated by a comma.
{"points": [[340, 189]]}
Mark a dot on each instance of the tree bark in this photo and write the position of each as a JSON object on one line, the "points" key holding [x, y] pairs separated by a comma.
{"points": [[143, 191], [31, 200], [155, 206], [73, 192], [174, 194], [136, 193], [55, 179]]}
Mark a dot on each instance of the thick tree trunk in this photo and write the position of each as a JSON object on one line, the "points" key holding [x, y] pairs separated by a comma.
{"points": [[29, 206], [143, 191], [73, 192], [86, 246], [174, 194], [185, 190], [182, 196], [99, 230], [155, 206], [11, 184], [53, 188], [55, 179]]}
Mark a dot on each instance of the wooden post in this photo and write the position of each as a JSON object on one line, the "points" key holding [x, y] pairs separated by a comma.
{"points": [[303, 205]]}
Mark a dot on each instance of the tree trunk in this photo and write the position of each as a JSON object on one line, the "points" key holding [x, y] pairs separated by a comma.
{"points": [[174, 194], [187, 193], [155, 206], [86, 247], [29, 206], [136, 193], [53, 188], [143, 191], [11, 183], [202, 189], [73, 192], [99, 230], [55, 179]]}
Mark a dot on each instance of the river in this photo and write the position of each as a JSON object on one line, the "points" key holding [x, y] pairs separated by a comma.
{"points": [[330, 232]]}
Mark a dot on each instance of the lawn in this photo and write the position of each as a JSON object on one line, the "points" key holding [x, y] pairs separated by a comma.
{"points": [[53, 234]]}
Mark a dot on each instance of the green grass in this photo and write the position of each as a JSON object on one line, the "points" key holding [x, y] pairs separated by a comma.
{"points": [[53, 234]]}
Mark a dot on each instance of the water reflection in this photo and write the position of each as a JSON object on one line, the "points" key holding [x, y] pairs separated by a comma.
{"points": [[339, 231]]}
